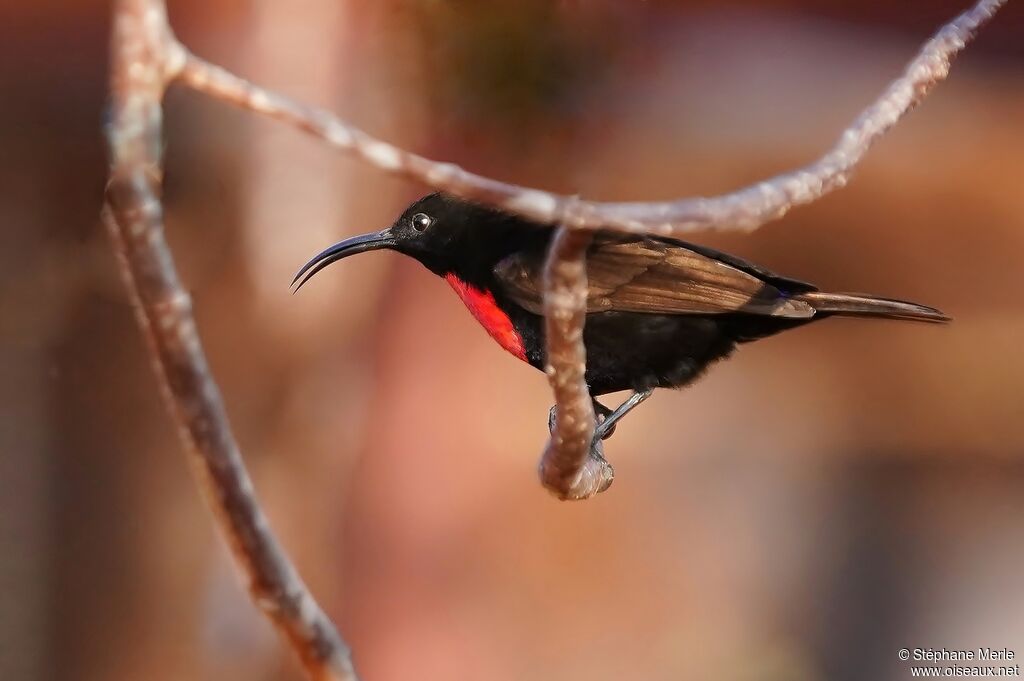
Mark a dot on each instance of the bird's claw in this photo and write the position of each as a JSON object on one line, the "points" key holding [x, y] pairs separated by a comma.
{"points": [[594, 475]]}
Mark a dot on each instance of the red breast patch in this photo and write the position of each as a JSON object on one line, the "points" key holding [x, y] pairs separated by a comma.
{"points": [[481, 304]]}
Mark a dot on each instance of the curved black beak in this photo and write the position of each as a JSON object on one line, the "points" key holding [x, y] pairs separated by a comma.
{"points": [[343, 249]]}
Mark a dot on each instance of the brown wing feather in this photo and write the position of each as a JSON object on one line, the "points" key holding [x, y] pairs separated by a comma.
{"points": [[653, 276]]}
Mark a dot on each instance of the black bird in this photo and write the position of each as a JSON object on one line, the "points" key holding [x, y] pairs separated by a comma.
{"points": [[659, 310]]}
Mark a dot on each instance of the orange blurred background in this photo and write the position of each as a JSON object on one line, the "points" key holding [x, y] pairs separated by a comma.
{"points": [[823, 499]]}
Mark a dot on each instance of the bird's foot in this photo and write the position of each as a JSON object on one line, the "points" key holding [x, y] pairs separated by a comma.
{"points": [[595, 474], [601, 414]]}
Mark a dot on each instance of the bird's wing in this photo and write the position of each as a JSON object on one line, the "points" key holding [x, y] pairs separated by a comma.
{"points": [[660, 276]]}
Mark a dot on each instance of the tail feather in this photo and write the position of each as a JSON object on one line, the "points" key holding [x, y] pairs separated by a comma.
{"points": [[862, 305]]}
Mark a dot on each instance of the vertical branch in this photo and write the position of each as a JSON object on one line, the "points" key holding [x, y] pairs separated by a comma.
{"points": [[569, 468], [144, 57]]}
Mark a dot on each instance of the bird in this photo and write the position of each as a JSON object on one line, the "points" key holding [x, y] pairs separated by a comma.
{"points": [[659, 310]]}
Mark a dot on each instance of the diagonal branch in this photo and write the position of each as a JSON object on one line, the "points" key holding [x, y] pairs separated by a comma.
{"points": [[144, 56], [744, 209]]}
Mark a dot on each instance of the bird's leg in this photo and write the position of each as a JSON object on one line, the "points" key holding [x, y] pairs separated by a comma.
{"points": [[602, 412], [605, 428], [607, 417]]}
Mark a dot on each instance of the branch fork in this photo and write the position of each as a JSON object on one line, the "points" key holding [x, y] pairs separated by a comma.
{"points": [[146, 57]]}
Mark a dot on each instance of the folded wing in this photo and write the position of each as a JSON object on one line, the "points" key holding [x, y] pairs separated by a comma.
{"points": [[661, 276]]}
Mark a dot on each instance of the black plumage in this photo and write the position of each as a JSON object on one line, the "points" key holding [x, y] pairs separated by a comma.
{"points": [[659, 310]]}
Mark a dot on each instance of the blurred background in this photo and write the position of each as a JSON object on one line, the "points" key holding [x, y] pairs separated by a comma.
{"points": [[823, 499]]}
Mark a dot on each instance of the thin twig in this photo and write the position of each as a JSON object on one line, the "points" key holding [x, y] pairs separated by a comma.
{"points": [[144, 57], [744, 209], [569, 468]]}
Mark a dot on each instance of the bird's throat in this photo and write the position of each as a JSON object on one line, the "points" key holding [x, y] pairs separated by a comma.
{"points": [[485, 309]]}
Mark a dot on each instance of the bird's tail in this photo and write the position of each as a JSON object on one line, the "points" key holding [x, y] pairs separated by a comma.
{"points": [[862, 305]]}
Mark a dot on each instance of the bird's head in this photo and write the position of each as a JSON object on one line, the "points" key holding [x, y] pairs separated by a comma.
{"points": [[446, 234]]}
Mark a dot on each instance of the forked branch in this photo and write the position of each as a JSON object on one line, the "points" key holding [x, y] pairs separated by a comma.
{"points": [[146, 57], [743, 210]]}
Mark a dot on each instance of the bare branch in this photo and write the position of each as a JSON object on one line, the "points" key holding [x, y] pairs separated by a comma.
{"points": [[144, 56], [569, 468], [745, 209]]}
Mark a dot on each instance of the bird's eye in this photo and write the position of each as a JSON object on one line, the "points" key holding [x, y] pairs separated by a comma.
{"points": [[421, 221]]}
